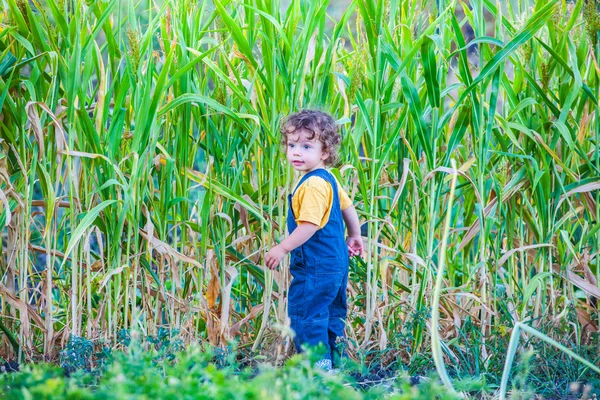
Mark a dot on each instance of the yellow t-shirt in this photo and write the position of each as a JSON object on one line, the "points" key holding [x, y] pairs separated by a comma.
{"points": [[312, 201]]}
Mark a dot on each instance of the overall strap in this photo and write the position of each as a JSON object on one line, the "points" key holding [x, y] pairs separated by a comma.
{"points": [[329, 178], [316, 172]]}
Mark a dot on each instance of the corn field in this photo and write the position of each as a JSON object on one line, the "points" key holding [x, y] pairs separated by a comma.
{"points": [[142, 176]]}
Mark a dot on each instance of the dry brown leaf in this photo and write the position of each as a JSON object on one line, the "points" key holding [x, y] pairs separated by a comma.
{"points": [[474, 229], [586, 321], [40, 249], [107, 277], [584, 122], [225, 303], [456, 316], [590, 202], [163, 248], [73, 153], [341, 85], [42, 203], [36, 126], [213, 289], [61, 141], [405, 171], [509, 253], [26, 312], [579, 282], [588, 187], [235, 328], [451, 171], [6, 206], [383, 340], [175, 274], [244, 212]]}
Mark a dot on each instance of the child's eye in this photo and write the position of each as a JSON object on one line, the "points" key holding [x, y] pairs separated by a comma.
{"points": [[306, 147], [291, 145]]}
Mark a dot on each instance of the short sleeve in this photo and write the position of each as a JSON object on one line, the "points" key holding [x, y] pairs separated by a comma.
{"points": [[315, 199]]}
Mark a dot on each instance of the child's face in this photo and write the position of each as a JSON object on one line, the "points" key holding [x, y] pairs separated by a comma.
{"points": [[305, 154]]}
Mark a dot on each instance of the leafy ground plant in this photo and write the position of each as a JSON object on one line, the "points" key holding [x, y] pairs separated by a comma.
{"points": [[141, 178], [197, 374]]}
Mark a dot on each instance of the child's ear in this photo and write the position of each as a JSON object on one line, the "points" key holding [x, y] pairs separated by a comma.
{"points": [[325, 155]]}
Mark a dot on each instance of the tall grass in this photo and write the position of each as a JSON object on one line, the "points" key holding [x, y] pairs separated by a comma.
{"points": [[142, 176]]}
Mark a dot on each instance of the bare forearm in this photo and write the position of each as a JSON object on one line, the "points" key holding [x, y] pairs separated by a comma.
{"points": [[301, 234], [351, 219]]}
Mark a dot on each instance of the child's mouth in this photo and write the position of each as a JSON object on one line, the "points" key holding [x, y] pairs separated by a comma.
{"points": [[297, 162]]}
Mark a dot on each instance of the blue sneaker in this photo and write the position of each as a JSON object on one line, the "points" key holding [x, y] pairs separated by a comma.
{"points": [[324, 364]]}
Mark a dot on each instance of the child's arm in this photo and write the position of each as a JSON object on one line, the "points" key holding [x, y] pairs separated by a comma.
{"points": [[301, 234], [354, 240]]}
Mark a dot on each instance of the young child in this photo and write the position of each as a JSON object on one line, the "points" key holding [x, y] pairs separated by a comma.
{"points": [[319, 253]]}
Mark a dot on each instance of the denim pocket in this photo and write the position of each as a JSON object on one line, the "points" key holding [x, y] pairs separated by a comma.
{"points": [[329, 273], [297, 266]]}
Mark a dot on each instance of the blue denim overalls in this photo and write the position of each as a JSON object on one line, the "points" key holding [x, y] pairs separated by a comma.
{"points": [[317, 294]]}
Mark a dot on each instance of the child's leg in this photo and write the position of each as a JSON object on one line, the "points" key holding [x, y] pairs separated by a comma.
{"points": [[312, 291], [337, 318], [297, 303]]}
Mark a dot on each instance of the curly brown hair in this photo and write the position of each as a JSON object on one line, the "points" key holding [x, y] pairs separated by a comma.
{"points": [[318, 124]]}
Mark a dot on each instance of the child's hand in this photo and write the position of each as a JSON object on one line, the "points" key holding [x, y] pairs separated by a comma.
{"points": [[274, 256], [355, 246]]}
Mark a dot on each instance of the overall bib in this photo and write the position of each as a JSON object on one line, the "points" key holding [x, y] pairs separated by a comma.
{"points": [[317, 295]]}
